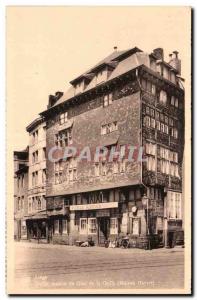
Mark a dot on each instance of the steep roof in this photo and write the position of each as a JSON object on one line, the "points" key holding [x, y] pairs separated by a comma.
{"points": [[120, 68]]}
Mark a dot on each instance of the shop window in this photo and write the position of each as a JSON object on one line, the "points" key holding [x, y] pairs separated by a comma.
{"points": [[83, 226], [108, 99], [56, 226], [113, 226], [92, 226], [174, 205], [64, 226], [137, 194], [78, 199]]}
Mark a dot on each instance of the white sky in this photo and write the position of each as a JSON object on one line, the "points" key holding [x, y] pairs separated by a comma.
{"points": [[49, 46]]}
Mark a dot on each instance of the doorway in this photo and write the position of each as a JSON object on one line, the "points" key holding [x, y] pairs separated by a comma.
{"points": [[103, 232]]}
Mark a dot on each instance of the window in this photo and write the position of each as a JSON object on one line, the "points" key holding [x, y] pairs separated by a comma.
{"points": [[163, 97], [34, 178], [172, 102], [158, 125], [56, 226], [83, 226], [148, 86], [171, 122], [151, 163], [166, 129], [19, 203], [174, 133], [174, 156], [176, 102], [157, 115], [92, 226], [174, 205], [35, 137], [72, 169], [58, 171], [108, 98], [35, 157], [152, 112], [107, 128], [174, 170], [63, 118], [64, 138], [151, 148], [146, 121], [162, 127], [44, 176], [113, 226], [44, 153], [152, 123], [39, 204], [64, 226], [29, 205]]}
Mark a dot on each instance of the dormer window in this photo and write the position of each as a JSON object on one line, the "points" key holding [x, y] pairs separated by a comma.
{"points": [[101, 76], [63, 118]]}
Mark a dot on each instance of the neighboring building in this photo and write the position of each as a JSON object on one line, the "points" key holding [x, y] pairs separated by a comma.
{"points": [[36, 215], [129, 98], [20, 193]]}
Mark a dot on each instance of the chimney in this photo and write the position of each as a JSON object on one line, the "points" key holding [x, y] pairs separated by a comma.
{"points": [[58, 95], [115, 48], [158, 52], [175, 62]]}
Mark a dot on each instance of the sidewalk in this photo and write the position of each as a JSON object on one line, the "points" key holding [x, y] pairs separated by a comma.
{"points": [[34, 244]]}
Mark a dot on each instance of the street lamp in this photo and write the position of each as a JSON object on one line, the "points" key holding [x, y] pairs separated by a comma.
{"points": [[145, 203]]}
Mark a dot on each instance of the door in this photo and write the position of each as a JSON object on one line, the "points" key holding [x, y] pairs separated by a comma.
{"points": [[103, 230]]}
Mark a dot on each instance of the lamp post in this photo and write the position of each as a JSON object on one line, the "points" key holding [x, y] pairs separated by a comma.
{"points": [[145, 203]]}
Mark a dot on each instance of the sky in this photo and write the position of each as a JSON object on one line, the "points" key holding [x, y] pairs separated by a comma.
{"points": [[49, 46]]}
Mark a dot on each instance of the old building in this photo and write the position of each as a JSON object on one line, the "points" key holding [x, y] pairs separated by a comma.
{"points": [[20, 193], [129, 99], [36, 214]]}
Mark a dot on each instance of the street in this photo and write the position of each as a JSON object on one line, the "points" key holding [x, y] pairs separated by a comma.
{"points": [[56, 266]]}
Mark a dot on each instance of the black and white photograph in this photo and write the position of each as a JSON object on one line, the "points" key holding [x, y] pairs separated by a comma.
{"points": [[99, 150]]}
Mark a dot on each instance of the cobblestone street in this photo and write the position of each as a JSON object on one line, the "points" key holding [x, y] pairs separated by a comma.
{"points": [[70, 267]]}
